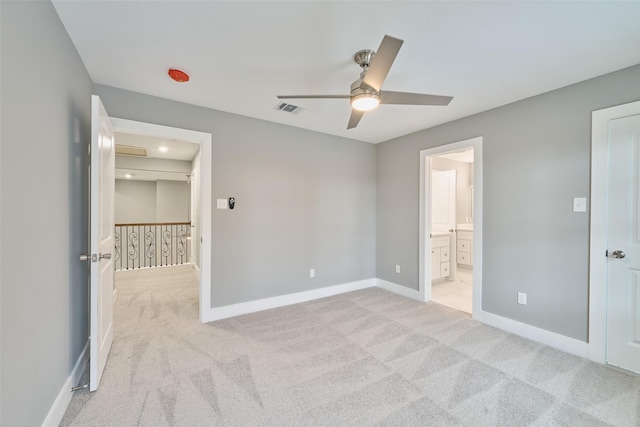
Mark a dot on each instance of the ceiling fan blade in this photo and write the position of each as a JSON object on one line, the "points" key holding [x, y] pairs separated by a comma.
{"points": [[381, 62], [356, 115], [407, 98], [314, 96]]}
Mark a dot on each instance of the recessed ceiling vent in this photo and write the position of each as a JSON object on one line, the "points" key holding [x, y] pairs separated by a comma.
{"points": [[125, 150], [289, 108]]}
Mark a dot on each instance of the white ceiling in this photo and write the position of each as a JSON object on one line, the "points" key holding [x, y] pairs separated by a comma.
{"points": [[241, 54], [461, 156], [176, 150]]}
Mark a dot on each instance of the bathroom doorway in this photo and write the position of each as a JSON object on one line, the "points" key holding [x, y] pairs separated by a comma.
{"points": [[452, 229], [451, 225]]}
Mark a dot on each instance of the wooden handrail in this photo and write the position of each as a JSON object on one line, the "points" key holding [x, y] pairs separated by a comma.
{"points": [[152, 223]]}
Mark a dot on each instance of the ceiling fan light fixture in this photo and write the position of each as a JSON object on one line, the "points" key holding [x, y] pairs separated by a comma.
{"points": [[365, 101]]}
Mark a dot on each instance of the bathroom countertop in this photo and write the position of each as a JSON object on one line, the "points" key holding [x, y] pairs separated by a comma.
{"points": [[440, 233]]}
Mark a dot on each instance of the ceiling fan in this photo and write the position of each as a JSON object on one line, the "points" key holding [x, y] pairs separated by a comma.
{"points": [[366, 93]]}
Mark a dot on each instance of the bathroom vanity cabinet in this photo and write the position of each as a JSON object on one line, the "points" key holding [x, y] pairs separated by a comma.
{"points": [[464, 248], [440, 257]]}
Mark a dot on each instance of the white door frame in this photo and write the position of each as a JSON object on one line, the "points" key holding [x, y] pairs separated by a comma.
{"points": [[598, 228], [205, 141], [193, 206], [424, 273]]}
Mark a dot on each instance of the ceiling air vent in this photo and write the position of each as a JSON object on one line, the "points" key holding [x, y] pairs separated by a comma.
{"points": [[289, 108], [125, 150]]}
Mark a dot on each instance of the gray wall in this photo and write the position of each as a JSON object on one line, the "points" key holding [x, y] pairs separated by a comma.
{"points": [[173, 199], [151, 201], [303, 200], [536, 159], [135, 201], [46, 102]]}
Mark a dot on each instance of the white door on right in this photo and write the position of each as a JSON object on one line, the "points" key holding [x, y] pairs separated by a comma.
{"points": [[623, 231]]}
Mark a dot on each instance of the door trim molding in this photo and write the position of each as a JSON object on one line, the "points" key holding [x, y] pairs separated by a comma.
{"points": [[598, 225], [205, 141], [424, 227]]}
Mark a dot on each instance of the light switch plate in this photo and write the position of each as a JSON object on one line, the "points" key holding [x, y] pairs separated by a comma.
{"points": [[222, 204], [579, 204]]}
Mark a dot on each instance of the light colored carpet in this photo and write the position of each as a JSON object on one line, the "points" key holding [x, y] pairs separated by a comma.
{"points": [[358, 359]]}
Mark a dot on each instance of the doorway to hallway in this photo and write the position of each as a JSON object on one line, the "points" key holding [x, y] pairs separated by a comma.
{"points": [[200, 235]]}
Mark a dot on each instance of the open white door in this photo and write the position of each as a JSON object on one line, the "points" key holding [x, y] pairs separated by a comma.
{"points": [[623, 229], [101, 240]]}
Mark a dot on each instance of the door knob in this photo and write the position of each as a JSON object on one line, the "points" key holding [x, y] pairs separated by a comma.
{"points": [[92, 258], [618, 254]]}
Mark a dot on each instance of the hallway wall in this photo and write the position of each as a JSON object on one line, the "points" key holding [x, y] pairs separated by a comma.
{"points": [[151, 201], [134, 201]]}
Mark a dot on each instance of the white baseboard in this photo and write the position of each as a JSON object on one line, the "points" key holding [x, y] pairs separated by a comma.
{"points": [[61, 403], [399, 289], [552, 339], [226, 311]]}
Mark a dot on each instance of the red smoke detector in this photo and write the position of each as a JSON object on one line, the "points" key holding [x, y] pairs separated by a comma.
{"points": [[178, 75]]}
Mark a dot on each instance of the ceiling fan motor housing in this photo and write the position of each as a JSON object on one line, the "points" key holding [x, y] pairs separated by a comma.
{"points": [[363, 98], [358, 87], [363, 57]]}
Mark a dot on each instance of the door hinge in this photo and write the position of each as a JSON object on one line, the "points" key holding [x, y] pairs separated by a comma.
{"points": [[606, 253]]}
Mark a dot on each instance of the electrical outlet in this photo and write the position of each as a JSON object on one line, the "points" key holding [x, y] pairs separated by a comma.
{"points": [[312, 273], [522, 298], [397, 268], [222, 204]]}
